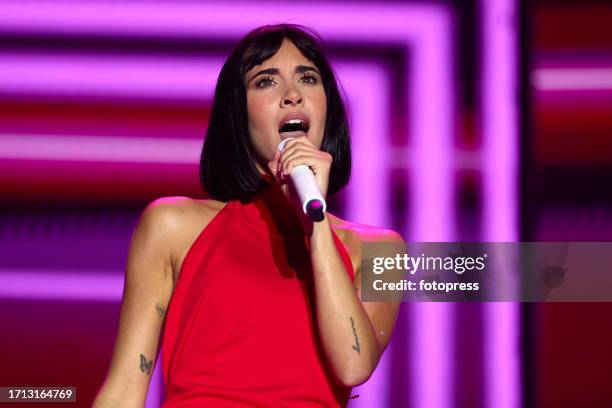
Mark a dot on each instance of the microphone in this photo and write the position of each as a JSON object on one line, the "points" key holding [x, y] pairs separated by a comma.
{"points": [[307, 188]]}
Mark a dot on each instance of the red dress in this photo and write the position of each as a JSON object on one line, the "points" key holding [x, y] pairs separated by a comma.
{"points": [[240, 329]]}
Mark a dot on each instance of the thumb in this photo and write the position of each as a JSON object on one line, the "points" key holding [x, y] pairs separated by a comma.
{"points": [[273, 164]]}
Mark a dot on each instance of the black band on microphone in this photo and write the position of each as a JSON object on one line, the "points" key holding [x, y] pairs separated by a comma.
{"points": [[315, 210]]}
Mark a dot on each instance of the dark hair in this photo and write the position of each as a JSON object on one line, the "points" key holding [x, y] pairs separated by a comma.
{"points": [[228, 164]]}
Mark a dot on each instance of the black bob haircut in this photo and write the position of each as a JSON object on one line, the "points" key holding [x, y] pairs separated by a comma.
{"points": [[228, 162]]}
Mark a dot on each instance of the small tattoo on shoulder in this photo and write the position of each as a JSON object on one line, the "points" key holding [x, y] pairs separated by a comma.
{"points": [[356, 345], [145, 366], [161, 311]]}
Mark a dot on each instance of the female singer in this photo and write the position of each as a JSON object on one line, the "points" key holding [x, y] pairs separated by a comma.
{"points": [[251, 302]]}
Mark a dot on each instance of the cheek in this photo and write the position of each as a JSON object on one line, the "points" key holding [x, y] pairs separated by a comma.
{"points": [[255, 109], [260, 113], [321, 104]]}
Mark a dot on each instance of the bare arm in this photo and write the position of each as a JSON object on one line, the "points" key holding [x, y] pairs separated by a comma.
{"points": [[354, 334], [146, 294]]}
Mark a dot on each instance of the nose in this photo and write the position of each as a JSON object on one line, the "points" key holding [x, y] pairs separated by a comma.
{"points": [[292, 97]]}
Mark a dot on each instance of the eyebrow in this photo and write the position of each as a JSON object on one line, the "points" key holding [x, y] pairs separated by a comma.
{"points": [[274, 71]]}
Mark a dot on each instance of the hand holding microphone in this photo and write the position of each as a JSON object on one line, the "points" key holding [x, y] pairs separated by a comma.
{"points": [[306, 185]]}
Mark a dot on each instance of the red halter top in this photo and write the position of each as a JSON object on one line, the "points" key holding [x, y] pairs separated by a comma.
{"points": [[240, 329]]}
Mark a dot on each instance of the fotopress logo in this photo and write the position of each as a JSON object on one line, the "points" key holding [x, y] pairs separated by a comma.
{"points": [[412, 265]]}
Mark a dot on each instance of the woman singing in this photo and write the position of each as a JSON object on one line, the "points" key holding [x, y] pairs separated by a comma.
{"points": [[251, 302]]}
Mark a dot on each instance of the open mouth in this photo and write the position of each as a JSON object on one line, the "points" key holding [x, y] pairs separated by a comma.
{"points": [[294, 127]]}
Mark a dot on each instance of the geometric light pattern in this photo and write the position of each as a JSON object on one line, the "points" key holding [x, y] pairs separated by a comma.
{"points": [[499, 93], [425, 33]]}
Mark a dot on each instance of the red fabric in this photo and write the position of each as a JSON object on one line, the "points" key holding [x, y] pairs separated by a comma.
{"points": [[240, 329]]}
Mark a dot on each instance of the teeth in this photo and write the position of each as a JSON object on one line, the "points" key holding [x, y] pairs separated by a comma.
{"points": [[294, 121]]}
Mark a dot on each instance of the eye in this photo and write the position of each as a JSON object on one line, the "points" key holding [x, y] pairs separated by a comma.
{"points": [[311, 79], [266, 81]]}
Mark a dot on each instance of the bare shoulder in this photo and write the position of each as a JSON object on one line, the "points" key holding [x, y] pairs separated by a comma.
{"points": [[180, 220], [354, 234], [362, 233], [175, 212]]}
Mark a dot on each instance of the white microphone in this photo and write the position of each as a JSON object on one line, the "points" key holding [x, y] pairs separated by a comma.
{"points": [[307, 188]]}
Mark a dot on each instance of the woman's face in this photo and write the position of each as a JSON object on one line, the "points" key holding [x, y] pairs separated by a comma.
{"points": [[290, 84]]}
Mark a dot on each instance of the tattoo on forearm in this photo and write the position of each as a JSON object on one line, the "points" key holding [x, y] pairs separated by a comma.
{"points": [[145, 366], [356, 345], [161, 311]]}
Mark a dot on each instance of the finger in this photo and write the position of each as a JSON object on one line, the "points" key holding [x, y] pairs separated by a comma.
{"points": [[296, 154], [312, 161], [317, 160], [304, 140], [297, 141], [293, 153], [273, 165], [296, 147]]}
